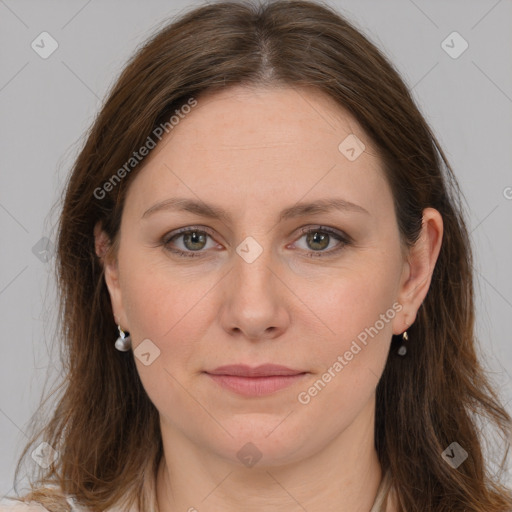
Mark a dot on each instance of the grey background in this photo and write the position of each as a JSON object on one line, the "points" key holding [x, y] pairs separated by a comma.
{"points": [[47, 104]]}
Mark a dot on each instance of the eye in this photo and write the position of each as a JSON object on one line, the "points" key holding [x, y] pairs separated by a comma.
{"points": [[190, 241], [320, 238]]}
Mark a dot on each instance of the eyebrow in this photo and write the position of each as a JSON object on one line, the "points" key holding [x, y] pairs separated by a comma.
{"points": [[215, 212]]}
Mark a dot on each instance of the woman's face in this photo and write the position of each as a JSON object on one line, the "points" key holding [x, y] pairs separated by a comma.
{"points": [[250, 286]]}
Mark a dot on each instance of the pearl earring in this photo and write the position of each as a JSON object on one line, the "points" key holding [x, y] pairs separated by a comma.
{"points": [[403, 349], [124, 342]]}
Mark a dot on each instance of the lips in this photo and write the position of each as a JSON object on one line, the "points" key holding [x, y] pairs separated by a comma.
{"points": [[254, 382], [265, 370]]}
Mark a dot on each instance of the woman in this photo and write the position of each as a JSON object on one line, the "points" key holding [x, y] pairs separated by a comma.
{"points": [[266, 223]]}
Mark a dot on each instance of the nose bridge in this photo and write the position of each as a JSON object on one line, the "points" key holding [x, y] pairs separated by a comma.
{"points": [[253, 301], [255, 259], [254, 262]]}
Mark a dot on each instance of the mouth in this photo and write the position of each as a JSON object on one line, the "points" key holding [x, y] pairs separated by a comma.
{"points": [[261, 380]]}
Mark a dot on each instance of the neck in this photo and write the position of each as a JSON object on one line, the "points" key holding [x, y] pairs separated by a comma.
{"points": [[341, 476]]}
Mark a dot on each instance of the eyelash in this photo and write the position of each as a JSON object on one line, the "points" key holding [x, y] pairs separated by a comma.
{"points": [[342, 238]]}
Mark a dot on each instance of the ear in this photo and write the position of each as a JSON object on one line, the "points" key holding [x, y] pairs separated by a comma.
{"points": [[108, 259], [418, 269]]}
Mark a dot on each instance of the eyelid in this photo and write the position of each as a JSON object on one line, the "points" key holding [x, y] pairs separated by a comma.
{"points": [[326, 229], [169, 236], [342, 237]]}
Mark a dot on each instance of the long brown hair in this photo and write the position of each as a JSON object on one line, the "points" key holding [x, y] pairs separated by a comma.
{"points": [[104, 426]]}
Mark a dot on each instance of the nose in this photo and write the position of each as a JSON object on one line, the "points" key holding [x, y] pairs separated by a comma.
{"points": [[255, 302]]}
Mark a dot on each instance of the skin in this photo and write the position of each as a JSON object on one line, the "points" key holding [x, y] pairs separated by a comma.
{"points": [[255, 152]]}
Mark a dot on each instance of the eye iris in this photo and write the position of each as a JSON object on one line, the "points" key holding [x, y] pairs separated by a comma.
{"points": [[317, 238], [195, 238]]}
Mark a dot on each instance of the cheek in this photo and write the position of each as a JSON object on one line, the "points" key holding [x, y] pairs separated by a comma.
{"points": [[170, 309], [354, 299], [356, 308], [156, 295], [357, 315]]}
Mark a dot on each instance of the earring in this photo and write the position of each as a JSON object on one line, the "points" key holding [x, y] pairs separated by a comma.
{"points": [[403, 349], [124, 342]]}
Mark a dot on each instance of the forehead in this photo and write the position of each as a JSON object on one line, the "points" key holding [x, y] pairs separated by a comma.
{"points": [[259, 142], [247, 116]]}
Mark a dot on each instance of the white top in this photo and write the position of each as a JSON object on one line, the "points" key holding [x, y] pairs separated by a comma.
{"points": [[379, 505], [8, 505], [16, 506]]}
